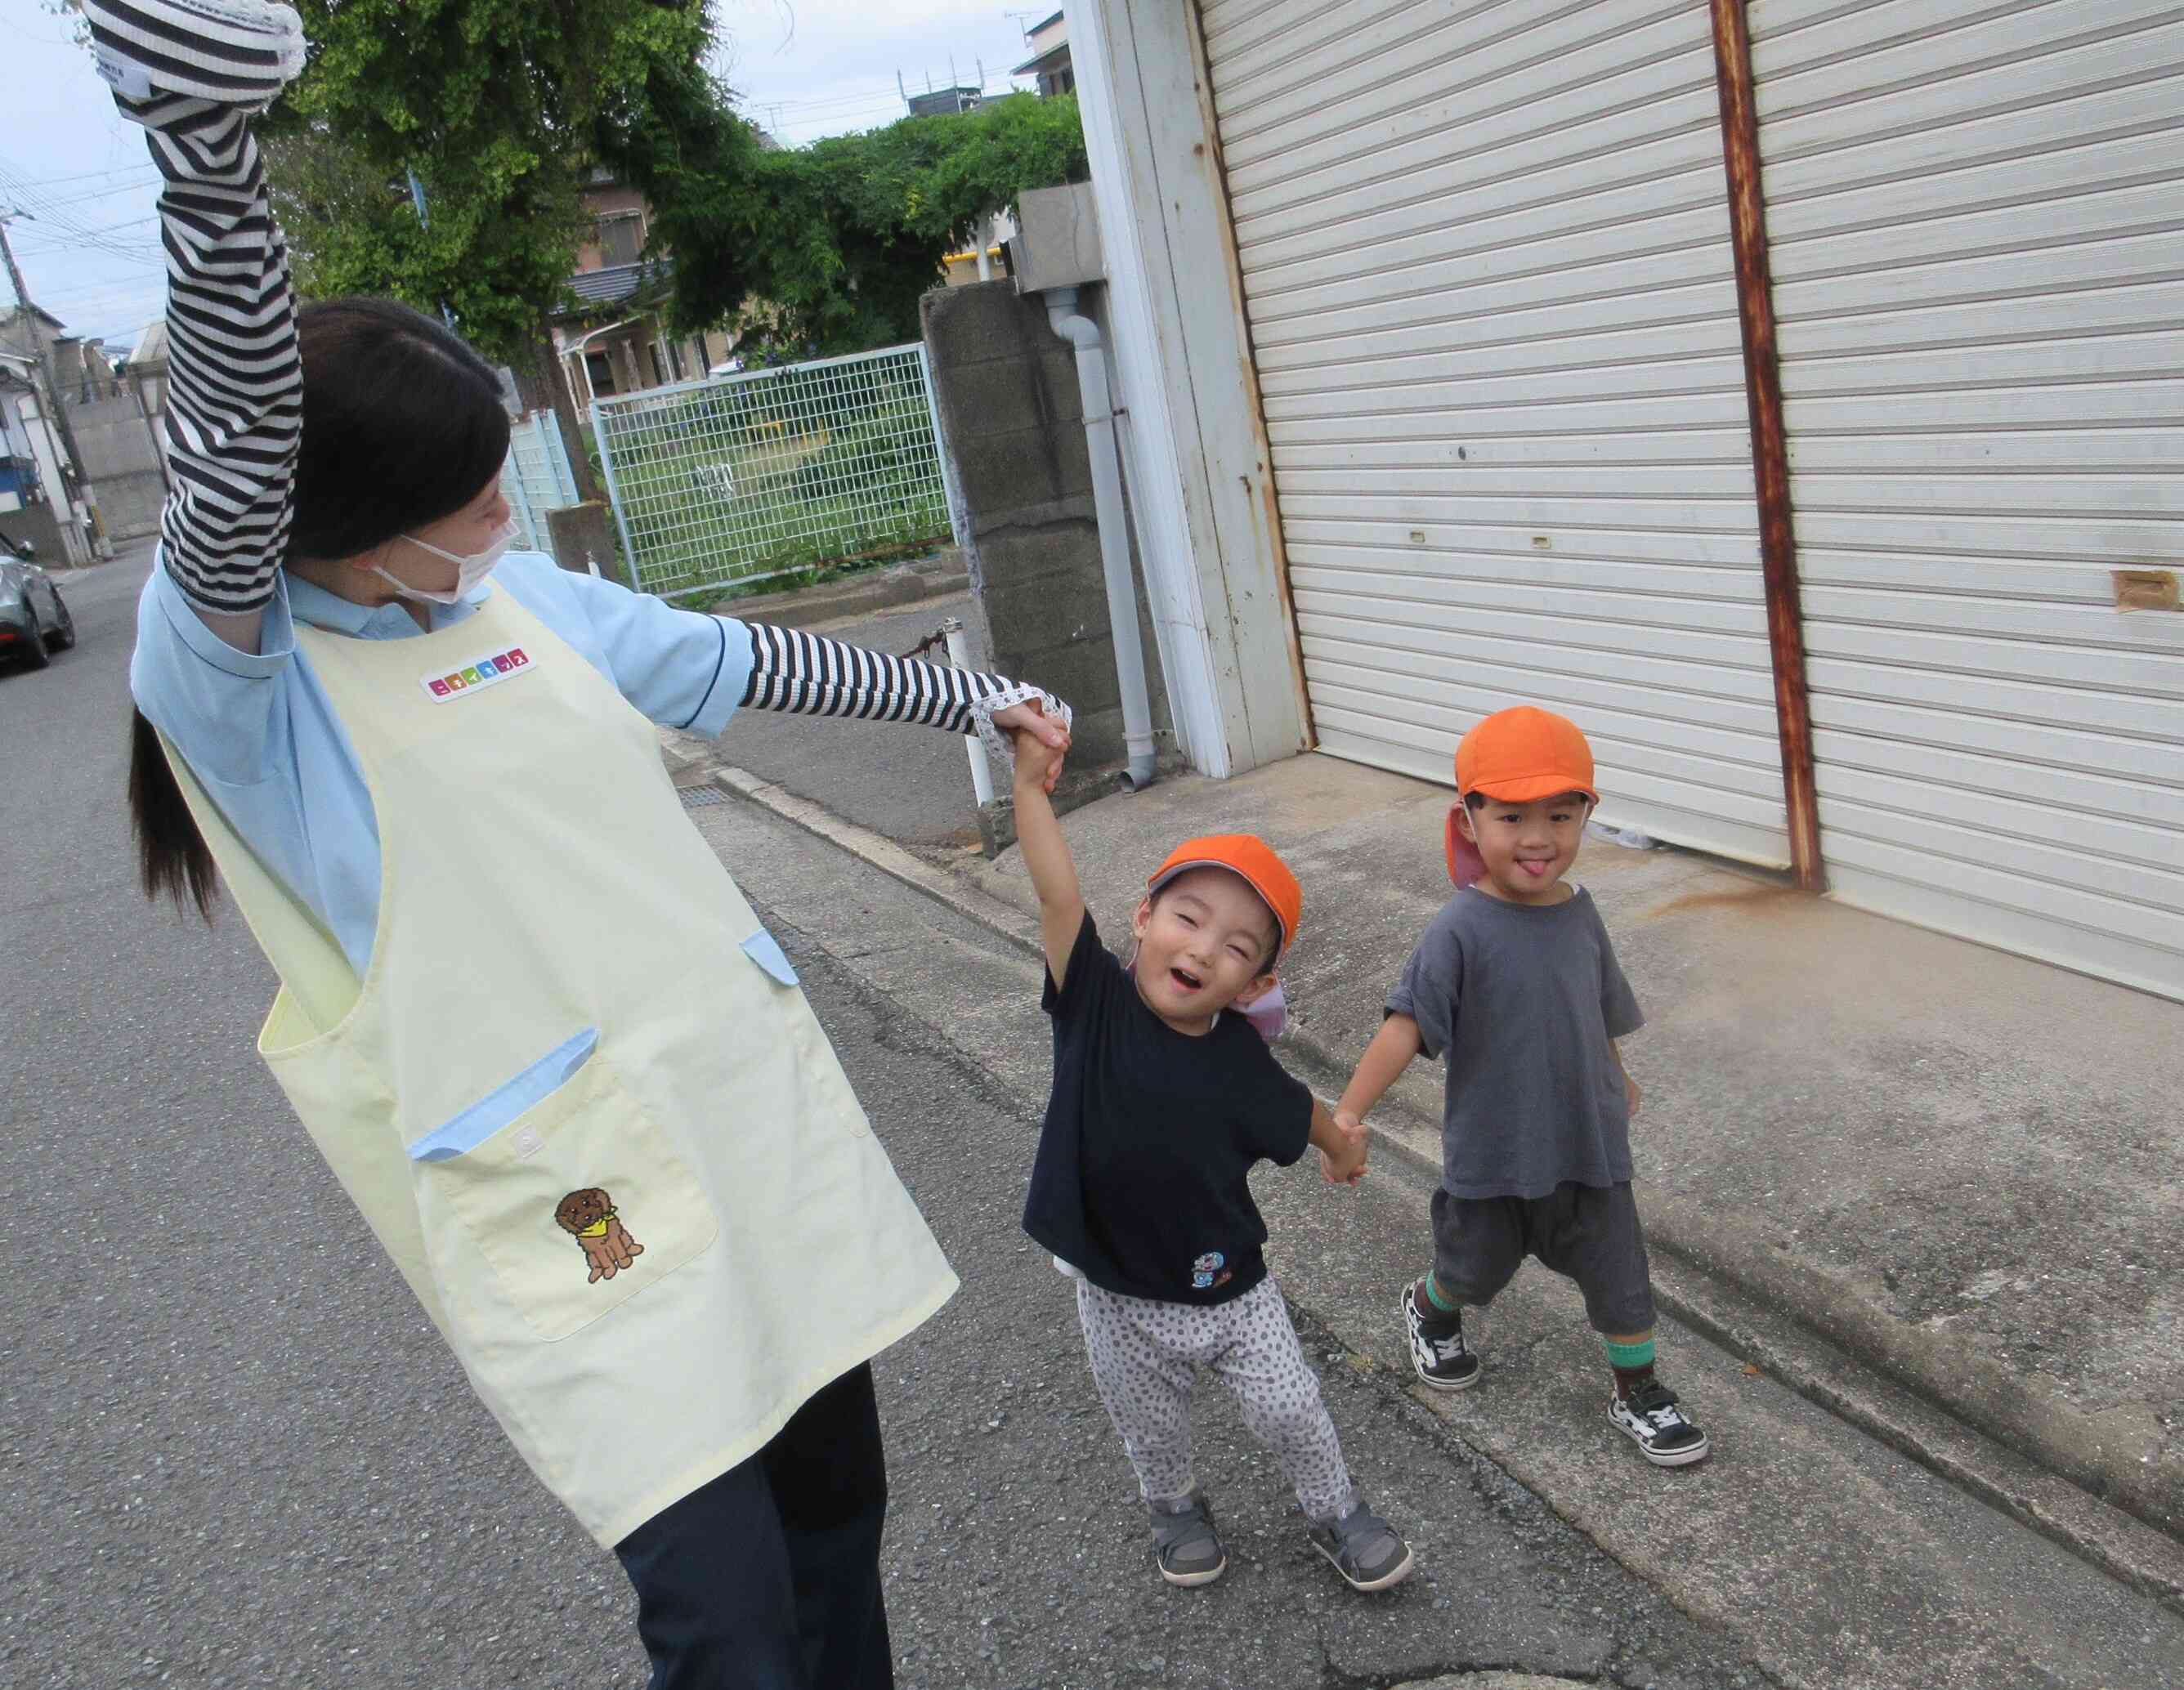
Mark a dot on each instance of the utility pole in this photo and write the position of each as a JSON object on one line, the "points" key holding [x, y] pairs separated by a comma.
{"points": [[44, 350]]}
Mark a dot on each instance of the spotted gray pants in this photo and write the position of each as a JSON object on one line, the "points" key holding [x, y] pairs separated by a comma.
{"points": [[1145, 1359]]}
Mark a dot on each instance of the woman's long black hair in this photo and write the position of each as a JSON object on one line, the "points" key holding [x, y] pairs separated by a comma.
{"points": [[403, 425]]}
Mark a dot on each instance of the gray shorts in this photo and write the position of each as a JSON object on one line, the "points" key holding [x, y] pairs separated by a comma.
{"points": [[1587, 1233]]}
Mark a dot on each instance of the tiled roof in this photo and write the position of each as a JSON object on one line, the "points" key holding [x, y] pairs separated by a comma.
{"points": [[619, 283]]}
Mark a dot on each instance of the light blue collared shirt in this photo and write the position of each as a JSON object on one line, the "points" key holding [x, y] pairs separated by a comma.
{"points": [[261, 735]]}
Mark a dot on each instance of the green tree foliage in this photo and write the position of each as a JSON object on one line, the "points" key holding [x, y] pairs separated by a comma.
{"points": [[502, 109], [827, 248]]}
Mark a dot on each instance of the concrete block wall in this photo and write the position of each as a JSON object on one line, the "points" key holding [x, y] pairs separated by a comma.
{"points": [[121, 462], [1012, 426]]}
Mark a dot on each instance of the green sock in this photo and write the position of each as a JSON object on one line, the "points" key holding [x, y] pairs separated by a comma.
{"points": [[1624, 1358], [1447, 1305]]}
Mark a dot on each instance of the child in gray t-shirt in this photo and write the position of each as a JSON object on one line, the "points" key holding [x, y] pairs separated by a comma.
{"points": [[1516, 985]]}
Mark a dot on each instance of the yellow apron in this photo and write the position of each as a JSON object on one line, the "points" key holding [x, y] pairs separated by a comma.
{"points": [[577, 1095]]}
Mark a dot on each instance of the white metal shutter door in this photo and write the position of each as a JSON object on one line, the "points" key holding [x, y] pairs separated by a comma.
{"points": [[1486, 258], [1974, 212]]}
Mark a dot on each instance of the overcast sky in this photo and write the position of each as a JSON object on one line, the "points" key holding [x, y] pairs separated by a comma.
{"points": [[87, 243]]}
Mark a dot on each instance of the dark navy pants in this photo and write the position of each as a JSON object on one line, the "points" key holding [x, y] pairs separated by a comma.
{"points": [[768, 1578]]}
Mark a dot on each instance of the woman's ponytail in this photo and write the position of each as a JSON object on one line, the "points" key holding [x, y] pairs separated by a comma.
{"points": [[174, 860]]}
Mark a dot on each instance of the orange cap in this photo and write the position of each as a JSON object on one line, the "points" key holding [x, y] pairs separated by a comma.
{"points": [[1253, 859], [1524, 754]]}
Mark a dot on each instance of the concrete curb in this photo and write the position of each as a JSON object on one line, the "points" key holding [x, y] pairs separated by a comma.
{"points": [[885, 589], [1964, 1419]]}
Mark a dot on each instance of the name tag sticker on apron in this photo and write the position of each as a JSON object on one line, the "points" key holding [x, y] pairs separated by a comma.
{"points": [[444, 685]]}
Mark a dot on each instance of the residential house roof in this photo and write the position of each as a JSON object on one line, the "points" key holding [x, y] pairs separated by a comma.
{"points": [[617, 284]]}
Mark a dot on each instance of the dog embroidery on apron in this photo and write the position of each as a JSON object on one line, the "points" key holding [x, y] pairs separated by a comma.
{"points": [[589, 1216]]}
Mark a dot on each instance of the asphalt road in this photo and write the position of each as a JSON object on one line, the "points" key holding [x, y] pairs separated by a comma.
{"points": [[235, 1453]]}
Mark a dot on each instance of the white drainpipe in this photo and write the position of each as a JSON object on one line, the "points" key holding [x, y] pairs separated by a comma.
{"points": [[1084, 334]]}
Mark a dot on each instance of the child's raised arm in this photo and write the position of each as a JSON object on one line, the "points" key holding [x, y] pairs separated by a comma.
{"points": [[1391, 1052], [1046, 854]]}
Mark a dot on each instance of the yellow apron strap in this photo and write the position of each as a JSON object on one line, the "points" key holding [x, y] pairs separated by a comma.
{"points": [[314, 972]]}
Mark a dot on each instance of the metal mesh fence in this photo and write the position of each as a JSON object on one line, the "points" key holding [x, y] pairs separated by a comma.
{"points": [[536, 478], [738, 477]]}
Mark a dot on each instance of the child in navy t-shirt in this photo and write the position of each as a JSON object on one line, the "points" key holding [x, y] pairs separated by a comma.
{"points": [[1165, 1097]]}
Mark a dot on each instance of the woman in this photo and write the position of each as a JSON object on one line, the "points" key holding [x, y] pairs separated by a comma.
{"points": [[560, 1066]]}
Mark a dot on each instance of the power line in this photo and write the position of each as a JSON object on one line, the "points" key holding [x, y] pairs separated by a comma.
{"points": [[148, 172]]}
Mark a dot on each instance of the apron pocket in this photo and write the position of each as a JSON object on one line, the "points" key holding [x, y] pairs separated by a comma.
{"points": [[573, 1206]]}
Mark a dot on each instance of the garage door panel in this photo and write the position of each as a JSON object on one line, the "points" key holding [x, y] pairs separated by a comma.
{"points": [[2077, 265], [1656, 419], [2108, 214], [1740, 614], [1886, 53], [1564, 338], [1699, 377], [1682, 515], [2143, 356], [1670, 344], [1491, 480], [1483, 59], [1647, 217], [2067, 171], [2136, 452], [2136, 818], [1455, 455], [1947, 693], [1493, 553], [1985, 135], [1702, 691], [2009, 739], [2130, 402], [2130, 962], [1980, 321], [2058, 840], [1699, 756], [1724, 651], [1662, 288], [2058, 907], [1650, 148], [1825, 108], [2088, 641], [1956, 582], [1405, 155]]}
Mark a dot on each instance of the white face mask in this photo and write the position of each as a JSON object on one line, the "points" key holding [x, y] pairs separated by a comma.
{"points": [[468, 571]]}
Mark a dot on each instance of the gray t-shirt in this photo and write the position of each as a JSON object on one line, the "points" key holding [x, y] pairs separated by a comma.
{"points": [[1523, 999]]}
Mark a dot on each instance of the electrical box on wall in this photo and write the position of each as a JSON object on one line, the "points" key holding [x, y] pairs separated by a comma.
{"points": [[1058, 239]]}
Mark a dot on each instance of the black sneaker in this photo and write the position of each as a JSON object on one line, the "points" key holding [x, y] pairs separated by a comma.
{"points": [[1184, 1543], [1366, 1550], [1437, 1348], [1658, 1427], [233, 52]]}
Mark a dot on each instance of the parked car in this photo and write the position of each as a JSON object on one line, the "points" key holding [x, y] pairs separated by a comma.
{"points": [[34, 623]]}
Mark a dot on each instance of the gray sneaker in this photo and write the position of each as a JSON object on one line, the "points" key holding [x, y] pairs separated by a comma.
{"points": [[1364, 1548], [1183, 1541]]}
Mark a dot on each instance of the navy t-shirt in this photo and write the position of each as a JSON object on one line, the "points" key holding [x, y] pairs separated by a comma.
{"points": [[1139, 1179]]}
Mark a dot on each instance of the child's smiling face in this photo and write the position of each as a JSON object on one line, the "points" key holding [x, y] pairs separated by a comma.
{"points": [[1527, 847], [1205, 940]]}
